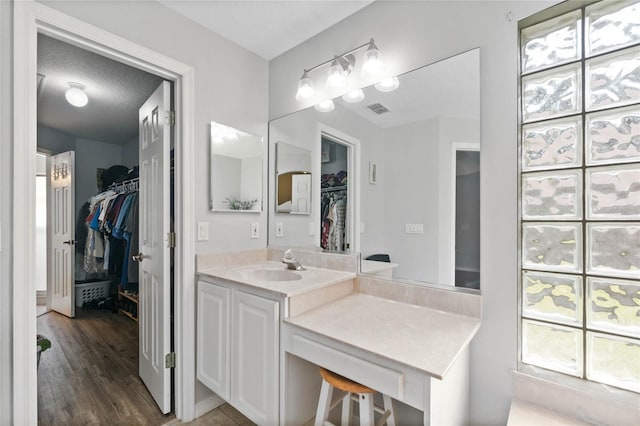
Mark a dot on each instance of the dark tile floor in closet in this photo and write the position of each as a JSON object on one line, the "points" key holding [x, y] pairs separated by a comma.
{"points": [[90, 375]]}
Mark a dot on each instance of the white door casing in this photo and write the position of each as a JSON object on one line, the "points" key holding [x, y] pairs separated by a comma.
{"points": [[61, 239], [154, 279]]}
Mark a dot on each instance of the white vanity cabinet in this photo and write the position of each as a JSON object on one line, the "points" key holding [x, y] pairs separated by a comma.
{"points": [[238, 343]]}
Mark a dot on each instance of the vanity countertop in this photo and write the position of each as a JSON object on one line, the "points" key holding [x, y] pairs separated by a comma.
{"points": [[422, 338], [310, 279]]}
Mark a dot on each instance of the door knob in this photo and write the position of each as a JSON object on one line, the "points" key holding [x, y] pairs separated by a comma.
{"points": [[70, 242], [138, 257]]}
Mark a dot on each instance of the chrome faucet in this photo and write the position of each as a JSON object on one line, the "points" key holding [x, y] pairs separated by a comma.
{"points": [[291, 262]]}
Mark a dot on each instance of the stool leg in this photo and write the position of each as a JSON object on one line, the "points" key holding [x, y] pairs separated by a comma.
{"points": [[388, 406], [324, 403], [346, 409], [366, 409]]}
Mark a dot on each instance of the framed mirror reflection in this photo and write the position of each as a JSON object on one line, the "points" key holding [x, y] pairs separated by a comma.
{"points": [[236, 170]]}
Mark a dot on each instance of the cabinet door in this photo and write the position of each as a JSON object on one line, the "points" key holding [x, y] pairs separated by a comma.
{"points": [[256, 343], [213, 338]]}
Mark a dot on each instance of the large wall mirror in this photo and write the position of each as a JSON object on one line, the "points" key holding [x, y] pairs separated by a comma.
{"points": [[236, 170], [416, 188]]}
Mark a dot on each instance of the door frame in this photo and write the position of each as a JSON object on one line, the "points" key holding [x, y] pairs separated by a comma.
{"points": [[455, 147], [31, 18], [353, 187]]}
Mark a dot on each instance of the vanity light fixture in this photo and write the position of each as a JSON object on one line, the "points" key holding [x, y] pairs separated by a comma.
{"points": [[76, 95], [388, 84], [325, 106], [340, 67], [305, 87], [353, 96], [373, 65]]}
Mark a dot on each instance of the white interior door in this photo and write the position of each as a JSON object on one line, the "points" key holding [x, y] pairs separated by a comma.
{"points": [[301, 193], [154, 279], [61, 250]]}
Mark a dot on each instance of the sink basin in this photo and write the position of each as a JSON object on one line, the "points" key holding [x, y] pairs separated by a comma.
{"points": [[273, 275]]}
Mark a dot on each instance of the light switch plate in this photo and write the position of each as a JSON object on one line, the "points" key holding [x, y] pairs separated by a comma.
{"points": [[255, 230], [279, 229], [203, 231]]}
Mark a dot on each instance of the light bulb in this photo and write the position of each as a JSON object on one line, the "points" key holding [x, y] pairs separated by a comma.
{"points": [[325, 106], [305, 88], [388, 84], [354, 96], [337, 77], [373, 65], [75, 95]]}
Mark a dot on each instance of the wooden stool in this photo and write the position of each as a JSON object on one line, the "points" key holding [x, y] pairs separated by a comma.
{"points": [[364, 394]]}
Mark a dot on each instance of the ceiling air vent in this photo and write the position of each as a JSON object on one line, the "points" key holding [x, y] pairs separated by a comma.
{"points": [[378, 108]]}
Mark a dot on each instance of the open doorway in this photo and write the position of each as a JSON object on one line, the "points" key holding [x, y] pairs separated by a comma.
{"points": [[466, 199], [41, 234], [103, 139], [339, 168]]}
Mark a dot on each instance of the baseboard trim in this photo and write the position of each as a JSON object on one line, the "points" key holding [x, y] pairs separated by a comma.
{"points": [[210, 403]]}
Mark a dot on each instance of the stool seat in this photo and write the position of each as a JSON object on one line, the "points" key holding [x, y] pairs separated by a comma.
{"points": [[350, 389], [342, 383]]}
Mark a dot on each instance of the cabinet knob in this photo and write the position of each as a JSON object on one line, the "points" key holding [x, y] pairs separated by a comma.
{"points": [[138, 257]]}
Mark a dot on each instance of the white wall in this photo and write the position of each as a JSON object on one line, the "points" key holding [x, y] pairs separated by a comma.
{"points": [[234, 94], [411, 34], [416, 254]]}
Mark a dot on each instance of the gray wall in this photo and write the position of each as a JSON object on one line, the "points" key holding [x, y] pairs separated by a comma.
{"points": [[411, 34]]}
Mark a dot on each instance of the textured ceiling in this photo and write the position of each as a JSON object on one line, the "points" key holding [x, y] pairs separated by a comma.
{"points": [[116, 92], [267, 28]]}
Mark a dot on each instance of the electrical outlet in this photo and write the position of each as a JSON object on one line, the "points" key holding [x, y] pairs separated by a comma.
{"points": [[279, 230], [203, 231], [312, 228], [362, 227], [255, 230]]}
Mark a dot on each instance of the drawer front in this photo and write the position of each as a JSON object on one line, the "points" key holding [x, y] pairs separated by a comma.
{"points": [[382, 379]]}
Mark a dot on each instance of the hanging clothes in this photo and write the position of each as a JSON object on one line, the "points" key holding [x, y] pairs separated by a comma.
{"points": [[113, 233]]}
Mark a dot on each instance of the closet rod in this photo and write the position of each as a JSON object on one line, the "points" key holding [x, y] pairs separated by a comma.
{"points": [[334, 188]]}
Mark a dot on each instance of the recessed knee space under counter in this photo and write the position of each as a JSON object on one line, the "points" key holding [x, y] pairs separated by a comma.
{"points": [[260, 342]]}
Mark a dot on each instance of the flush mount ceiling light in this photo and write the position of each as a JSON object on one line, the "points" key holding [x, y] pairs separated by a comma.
{"points": [[340, 67], [76, 95], [221, 133]]}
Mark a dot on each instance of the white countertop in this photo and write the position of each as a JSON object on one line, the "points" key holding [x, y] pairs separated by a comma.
{"points": [[310, 279], [421, 338]]}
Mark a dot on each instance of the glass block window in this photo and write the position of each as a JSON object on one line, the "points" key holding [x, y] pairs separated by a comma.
{"points": [[579, 189]]}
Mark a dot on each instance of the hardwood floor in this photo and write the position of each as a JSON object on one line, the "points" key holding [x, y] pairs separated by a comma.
{"points": [[90, 375]]}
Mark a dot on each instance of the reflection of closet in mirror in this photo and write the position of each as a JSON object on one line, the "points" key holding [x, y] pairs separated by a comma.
{"points": [[333, 189], [236, 170], [293, 179], [466, 171]]}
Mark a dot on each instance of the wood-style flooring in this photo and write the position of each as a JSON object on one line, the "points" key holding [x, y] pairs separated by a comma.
{"points": [[90, 375]]}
